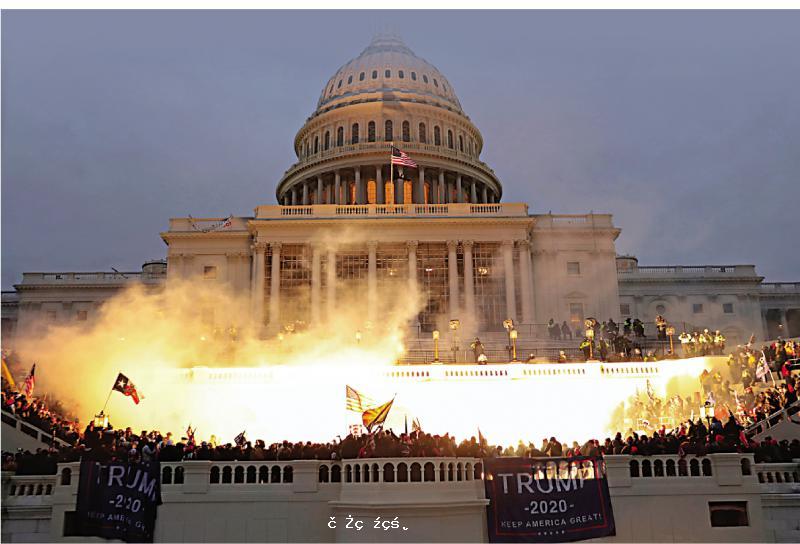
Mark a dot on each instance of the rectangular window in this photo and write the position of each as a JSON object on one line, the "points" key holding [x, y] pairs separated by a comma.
{"points": [[728, 514], [625, 309], [576, 313], [51, 315], [697, 308], [573, 268], [210, 272], [82, 315], [727, 308]]}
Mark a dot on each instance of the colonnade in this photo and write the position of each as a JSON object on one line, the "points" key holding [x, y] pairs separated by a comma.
{"points": [[443, 187], [455, 282]]}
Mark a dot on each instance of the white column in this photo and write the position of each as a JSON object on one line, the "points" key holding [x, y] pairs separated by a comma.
{"points": [[275, 288], [293, 191], [469, 282], [525, 280], [412, 265], [399, 193], [337, 179], [508, 260], [319, 190], [473, 192], [372, 280], [452, 272], [421, 185], [305, 193], [442, 190], [260, 261], [316, 283], [459, 192], [380, 193], [331, 283], [484, 196]]}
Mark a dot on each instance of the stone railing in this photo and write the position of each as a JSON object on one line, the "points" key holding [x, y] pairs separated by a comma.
{"points": [[582, 221], [391, 210], [28, 490], [779, 288], [88, 278], [29, 429], [208, 225], [779, 477], [741, 270]]}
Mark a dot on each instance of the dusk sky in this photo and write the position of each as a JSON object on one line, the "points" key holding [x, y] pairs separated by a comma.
{"points": [[683, 125]]}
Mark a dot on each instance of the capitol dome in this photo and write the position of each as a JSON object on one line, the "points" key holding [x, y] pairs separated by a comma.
{"points": [[388, 96]]}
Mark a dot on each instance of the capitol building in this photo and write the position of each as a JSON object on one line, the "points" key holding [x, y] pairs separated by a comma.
{"points": [[348, 227]]}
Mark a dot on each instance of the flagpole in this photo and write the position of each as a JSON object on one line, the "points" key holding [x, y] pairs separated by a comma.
{"points": [[107, 399], [391, 172]]}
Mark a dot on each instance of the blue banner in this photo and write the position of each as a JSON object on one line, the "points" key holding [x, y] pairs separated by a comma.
{"points": [[118, 500], [547, 500]]}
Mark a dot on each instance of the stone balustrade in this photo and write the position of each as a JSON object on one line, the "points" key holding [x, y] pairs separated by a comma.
{"points": [[391, 210]]}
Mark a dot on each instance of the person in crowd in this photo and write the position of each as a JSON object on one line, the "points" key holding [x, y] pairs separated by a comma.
{"points": [[566, 333], [477, 349]]}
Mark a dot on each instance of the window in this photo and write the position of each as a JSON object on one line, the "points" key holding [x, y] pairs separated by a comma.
{"points": [[361, 76], [727, 308], [406, 131], [354, 134], [576, 313], [573, 268], [461, 143], [316, 144], [371, 131], [625, 309], [444, 87], [387, 131], [422, 136], [660, 309], [728, 514], [339, 85], [82, 315], [450, 139], [387, 73], [340, 136], [424, 78], [209, 272], [437, 136], [413, 76], [400, 74], [51, 315], [349, 80], [435, 83], [697, 308], [374, 74], [327, 140]]}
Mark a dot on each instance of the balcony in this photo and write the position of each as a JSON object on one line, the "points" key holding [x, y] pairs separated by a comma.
{"points": [[55, 279], [704, 271], [357, 211]]}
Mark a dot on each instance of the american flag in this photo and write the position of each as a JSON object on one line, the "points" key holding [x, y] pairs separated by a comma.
{"points": [[355, 401], [30, 382], [402, 159]]}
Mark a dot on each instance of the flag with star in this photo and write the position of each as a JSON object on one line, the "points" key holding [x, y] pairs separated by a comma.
{"points": [[125, 386]]}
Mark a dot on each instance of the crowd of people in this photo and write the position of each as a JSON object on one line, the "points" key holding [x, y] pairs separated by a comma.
{"points": [[44, 416]]}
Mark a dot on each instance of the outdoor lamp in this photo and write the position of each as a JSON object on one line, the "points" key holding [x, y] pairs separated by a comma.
{"points": [[436, 346], [513, 334], [454, 324]]}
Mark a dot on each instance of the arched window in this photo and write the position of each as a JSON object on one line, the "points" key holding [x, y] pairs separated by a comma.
{"points": [[406, 131], [449, 139], [316, 144], [413, 76], [437, 136], [340, 136], [339, 85], [361, 76], [461, 143], [423, 139], [372, 192], [349, 80], [400, 74], [444, 87], [371, 131], [327, 140], [424, 78], [374, 74], [387, 132], [435, 83], [387, 73], [354, 134]]}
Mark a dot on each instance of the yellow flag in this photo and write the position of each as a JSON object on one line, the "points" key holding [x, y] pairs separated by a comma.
{"points": [[7, 375], [376, 416]]}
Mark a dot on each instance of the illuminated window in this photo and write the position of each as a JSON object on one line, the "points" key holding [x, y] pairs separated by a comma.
{"points": [[389, 192], [354, 134], [372, 188], [432, 281], [422, 135], [210, 272], [490, 290], [371, 131], [573, 268], [408, 191], [576, 313], [295, 282], [406, 131]]}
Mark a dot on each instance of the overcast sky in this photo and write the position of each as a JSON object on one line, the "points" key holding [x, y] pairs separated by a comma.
{"points": [[684, 125]]}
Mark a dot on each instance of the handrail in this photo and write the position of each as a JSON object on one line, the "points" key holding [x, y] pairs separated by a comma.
{"points": [[773, 419], [30, 429]]}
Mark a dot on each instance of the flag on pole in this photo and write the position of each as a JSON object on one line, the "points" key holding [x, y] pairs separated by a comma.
{"points": [[416, 426], [125, 386], [400, 158], [240, 439], [7, 373], [650, 393], [763, 368], [30, 382], [406, 421], [376, 416], [355, 401]]}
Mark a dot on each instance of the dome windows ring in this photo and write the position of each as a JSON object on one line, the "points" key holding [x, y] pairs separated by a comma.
{"points": [[388, 135], [435, 83], [400, 74], [339, 85], [354, 134], [361, 76], [371, 131], [424, 78], [374, 74], [413, 76], [349, 80], [387, 73]]}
